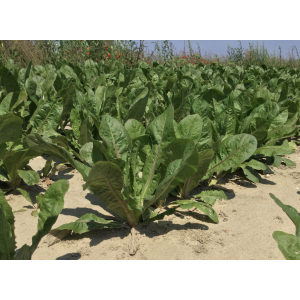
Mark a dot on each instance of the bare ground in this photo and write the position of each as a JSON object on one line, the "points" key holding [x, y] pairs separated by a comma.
{"points": [[247, 220]]}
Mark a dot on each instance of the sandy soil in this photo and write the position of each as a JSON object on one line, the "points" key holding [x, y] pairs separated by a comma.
{"points": [[247, 221]]}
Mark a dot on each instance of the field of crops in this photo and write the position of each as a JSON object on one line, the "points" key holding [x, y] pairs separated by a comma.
{"points": [[148, 143]]}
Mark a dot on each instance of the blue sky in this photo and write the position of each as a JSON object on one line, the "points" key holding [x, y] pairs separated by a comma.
{"points": [[219, 47]]}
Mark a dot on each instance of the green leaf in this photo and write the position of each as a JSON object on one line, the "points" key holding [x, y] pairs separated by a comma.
{"points": [[11, 101], [25, 195], [7, 210], [89, 222], [134, 128], [10, 128], [20, 210], [85, 133], [254, 164], [288, 244], [273, 150], [288, 162], [251, 174], [276, 161], [105, 180], [31, 88], [282, 132], [157, 217], [75, 122], [46, 117], [50, 207], [116, 137], [29, 177], [177, 171], [7, 236], [8, 80], [82, 169], [137, 109], [48, 166], [161, 131], [204, 207], [291, 212], [232, 152], [86, 153], [35, 142], [15, 161], [67, 94], [35, 213], [23, 253], [204, 159], [39, 199], [190, 128], [211, 196], [27, 72]]}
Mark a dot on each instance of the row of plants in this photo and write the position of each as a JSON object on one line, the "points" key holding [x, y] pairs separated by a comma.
{"points": [[138, 133]]}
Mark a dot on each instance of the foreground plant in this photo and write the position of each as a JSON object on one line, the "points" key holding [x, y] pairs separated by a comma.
{"points": [[51, 205], [129, 176], [288, 244], [14, 155]]}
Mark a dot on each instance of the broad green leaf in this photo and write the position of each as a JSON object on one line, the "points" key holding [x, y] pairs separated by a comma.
{"points": [[86, 153], [134, 128], [35, 142], [89, 222], [232, 152], [85, 133], [46, 117], [288, 162], [204, 207], [273, 150], [190, 128], [30, 177], [7, 236], [211, 196], [23, 253], [116, 137], [161, 131], [251, 174], [254, 164], [31, 89], [50, 207], [82, 169], [137, 109], [105, 180], [7, 210], [161, 128], [177, 171], [204, 159], [25, 195], [15, 161], [157, 217], [67, 94], [288, 244], [10, 128], [8, 80], [274, 161], [75, 122], [11, 101], [291, 212]]}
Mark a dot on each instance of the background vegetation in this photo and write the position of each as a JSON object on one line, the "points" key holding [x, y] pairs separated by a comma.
{"points": [[129, 51]]}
